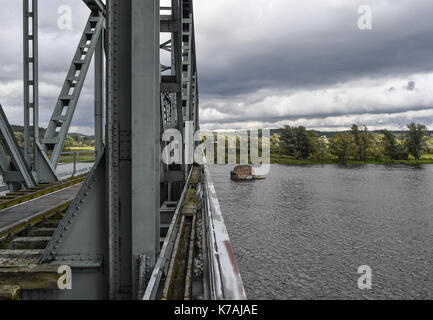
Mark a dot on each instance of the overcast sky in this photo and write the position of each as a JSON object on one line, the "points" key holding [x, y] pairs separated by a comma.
{"points": [[264, 63]]}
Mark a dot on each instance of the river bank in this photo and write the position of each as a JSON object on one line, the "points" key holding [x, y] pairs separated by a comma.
{"points": [[286, 160]]}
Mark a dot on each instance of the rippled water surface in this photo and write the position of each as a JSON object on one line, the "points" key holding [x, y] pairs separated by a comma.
{"points": [[303, 232]]}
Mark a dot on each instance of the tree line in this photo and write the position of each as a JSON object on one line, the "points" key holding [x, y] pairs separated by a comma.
{"points": [[357, 144], [72, 140]]}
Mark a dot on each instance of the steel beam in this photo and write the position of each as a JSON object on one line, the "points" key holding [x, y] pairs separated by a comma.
{"points": [[145, 132], [119, 148], [95, 5], [31, 79], [80, 240], [10, 145], [99, 95], [64, 110]]}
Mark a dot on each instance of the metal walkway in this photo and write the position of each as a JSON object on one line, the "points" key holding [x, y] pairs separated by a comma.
{"points": [[21, 213]]}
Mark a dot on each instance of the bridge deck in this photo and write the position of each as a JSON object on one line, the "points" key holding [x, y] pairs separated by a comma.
{"points": [[27, 210]]}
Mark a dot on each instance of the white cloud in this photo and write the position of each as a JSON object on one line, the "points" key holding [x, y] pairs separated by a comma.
{"points": [[263, 63], [360, 101]]}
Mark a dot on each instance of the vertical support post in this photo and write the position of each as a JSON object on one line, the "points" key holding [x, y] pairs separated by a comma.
{"points": [[26, 53], [35, 82], [75, 164], [99, 99], [145, 133], [177, 68], [40, 164], [118, 109], [31, 87]]}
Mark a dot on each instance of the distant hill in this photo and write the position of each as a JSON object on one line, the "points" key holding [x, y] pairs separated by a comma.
{"points": [[331, 134], [42, 131], [79, 138]]}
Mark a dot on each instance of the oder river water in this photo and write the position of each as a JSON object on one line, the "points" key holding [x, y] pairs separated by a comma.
{"points": [[303, 232]]}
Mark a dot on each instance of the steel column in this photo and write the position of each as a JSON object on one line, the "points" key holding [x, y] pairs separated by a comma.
{"points": [[10, 146], [145, 132], [99, 95], [119, 148], [31, 79]]}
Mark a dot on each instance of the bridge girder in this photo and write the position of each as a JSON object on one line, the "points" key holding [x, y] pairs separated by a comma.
{"points": [[118, 208]]}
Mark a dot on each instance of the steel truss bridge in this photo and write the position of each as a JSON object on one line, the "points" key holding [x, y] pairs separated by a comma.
{"points": [[134, 227]]}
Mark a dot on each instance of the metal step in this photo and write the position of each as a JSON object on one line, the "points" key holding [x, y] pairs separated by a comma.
{"points": [[164, 229], [42, 232], [10, 293], [30, 277], [28, 243], [166, 217], [20, 254], [161, 242], [49, 224]]}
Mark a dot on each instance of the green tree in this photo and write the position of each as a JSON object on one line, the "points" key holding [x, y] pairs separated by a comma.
{"points": [[275, 144], [376, 148], [429, 145], [416, 139], [365, 141], [341, 146], [320, 147], [390, 144], [356, 150], [19, 136], [394, 149], [69, 142], [297, 142]]}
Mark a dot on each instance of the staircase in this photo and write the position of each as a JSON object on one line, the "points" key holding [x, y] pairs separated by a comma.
{"points": [[66, 104]]}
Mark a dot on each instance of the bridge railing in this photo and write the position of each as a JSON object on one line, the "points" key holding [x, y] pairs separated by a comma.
{"points": [[73, 158], [162, 264], [221, 276], [225, 279]]}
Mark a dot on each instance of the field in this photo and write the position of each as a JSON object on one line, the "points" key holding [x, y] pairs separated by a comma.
{"points": [[82, 154]]}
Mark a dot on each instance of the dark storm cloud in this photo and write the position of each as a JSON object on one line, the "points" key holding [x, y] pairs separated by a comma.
{"points": [[56, 50], [399, 44], [261, 61]]}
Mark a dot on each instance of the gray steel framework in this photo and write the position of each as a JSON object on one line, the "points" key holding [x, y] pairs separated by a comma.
{"points": [[118, 209], [66, 104], [36, 160], [110, 234], [42, 159], [31, 77], [15, 171]]}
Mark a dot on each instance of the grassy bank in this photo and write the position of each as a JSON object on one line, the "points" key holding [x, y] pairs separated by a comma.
{"points": [[281, 159], [83, 154]]}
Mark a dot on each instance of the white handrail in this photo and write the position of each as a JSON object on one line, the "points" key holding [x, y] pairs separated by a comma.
{"points": [[226, 281]]}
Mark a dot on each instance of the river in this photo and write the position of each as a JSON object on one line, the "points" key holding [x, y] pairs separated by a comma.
{"points": [[303, 232]]}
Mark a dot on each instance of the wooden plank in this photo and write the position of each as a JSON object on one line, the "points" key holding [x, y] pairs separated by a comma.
{"points": [[10, 293], [20, 254], [30, 277], [28, 243]]}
